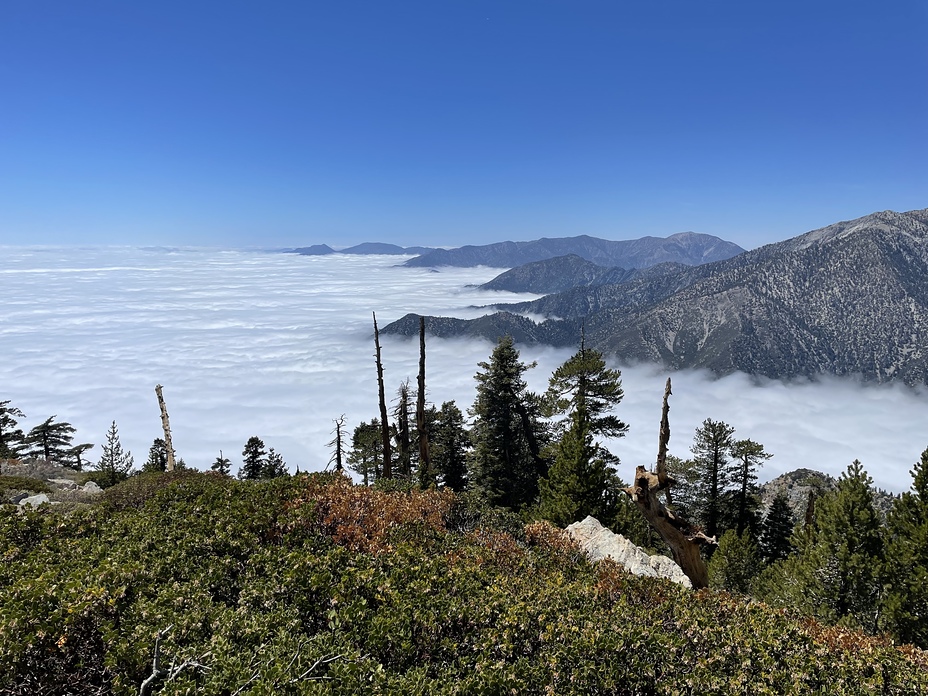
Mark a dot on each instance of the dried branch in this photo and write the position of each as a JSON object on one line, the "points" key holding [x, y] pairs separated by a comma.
{"points": [[172, 672]]}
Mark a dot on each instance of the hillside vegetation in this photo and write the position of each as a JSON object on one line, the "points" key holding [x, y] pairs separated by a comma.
{"points": [[313, 585]]}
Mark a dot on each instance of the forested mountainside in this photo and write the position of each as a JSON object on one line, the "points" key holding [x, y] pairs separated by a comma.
{"points": [[848, 299], [685, 247], [565, 272]]}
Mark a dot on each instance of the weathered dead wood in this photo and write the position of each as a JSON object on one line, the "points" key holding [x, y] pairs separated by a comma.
{"points": [[166, 426], [683, 539], [386, 469]]}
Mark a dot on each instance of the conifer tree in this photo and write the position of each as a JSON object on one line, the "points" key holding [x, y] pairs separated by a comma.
{"points": [[50, 440], [253, 459], [735, 563], [506, 460], [222, 465], [274, 465], [366, 453], [75, 455], [401, 434], [11, 437], [582, 391], [749, 456], [907, 561], [777, 530], [837, 573], [449, 445], [157, 456], [711, 448], [115, 465]]}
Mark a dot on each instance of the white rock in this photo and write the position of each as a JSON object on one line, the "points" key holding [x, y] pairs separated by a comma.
{"points": [[91, 487], [599, 543], [34, 500]]}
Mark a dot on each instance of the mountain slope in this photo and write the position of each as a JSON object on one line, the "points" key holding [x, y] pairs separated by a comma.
{"points": [[851, 298], [686, 247]]}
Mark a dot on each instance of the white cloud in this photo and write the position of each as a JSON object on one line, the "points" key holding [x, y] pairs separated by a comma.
{"points": [[278, 345]]}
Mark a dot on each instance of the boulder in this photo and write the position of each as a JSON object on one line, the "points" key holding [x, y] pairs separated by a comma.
{"points": [[63, 483], [91, 487], [599, 543], [34, 500]]}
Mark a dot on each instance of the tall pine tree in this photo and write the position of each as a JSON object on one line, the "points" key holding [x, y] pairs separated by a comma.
{"points": [[749, 456], [449, 445], [711, 450], [777, 530], [50, 440], [582, 393], [506, 459], [11, 437], [115, 465], [253, 461]]}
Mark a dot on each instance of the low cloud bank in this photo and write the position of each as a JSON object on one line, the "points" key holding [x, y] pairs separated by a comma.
{"points": [[278, 345]]}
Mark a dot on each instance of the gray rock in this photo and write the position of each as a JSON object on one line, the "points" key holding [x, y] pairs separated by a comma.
{"points": [[91, 487], [599, 543], [34, 500], [63, 482]]}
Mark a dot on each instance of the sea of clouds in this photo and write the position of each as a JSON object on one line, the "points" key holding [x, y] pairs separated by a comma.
{"points": [[279, 345]]}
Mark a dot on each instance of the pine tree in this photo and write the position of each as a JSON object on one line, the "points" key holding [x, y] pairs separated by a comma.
{"points": [[907, 561], [686, 488], [50, 440], [274, 465], [366, 453], [749, 456], [253, 459], [157, 456], [75, 455], [837, 573], [711, 446], [401, 434], [222, 465], [581, 392], [114, 465], [449, 444], [735, 563], [506, 460], [777, 530], [11, 437]]}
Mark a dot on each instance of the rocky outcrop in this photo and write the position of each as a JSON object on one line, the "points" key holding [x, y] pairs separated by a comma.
{"points": [[599, 543]]}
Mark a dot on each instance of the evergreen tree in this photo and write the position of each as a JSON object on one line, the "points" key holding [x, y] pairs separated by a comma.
{"points": [[274, 465], [907, 561], [402, 436], [11, 437], [581, 391], [506, 460], [687, 487], [837, 573], [749, 456], [449, 444], [222, 465], [735, 563], [157, 456], [253, 459], [366, 451], [711, 446], [76, 455], [777, 530], [114, 465], [49, 440]]}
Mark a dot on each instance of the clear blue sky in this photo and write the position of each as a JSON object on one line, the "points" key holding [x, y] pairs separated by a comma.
{"points": [[448, 122]]}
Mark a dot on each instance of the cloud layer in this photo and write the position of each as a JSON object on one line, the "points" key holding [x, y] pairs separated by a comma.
{"points": [[275, 345]]}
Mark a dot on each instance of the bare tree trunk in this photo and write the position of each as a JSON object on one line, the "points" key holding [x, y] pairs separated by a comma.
{"points": [[337, 443], [165, 424], [683, 539], [386, 471], [425, 465]]}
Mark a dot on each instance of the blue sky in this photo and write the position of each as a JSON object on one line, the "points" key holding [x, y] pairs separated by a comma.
{"points": [[451, 122]]}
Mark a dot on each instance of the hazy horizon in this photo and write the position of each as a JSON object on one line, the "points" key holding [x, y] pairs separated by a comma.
{"points": [[278, 345]]}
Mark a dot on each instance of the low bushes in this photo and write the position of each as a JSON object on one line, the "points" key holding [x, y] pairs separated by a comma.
{"points": [[313, 585]]}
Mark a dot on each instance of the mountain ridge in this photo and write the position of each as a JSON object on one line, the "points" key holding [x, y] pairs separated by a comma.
{"points": [[849, 298]]}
